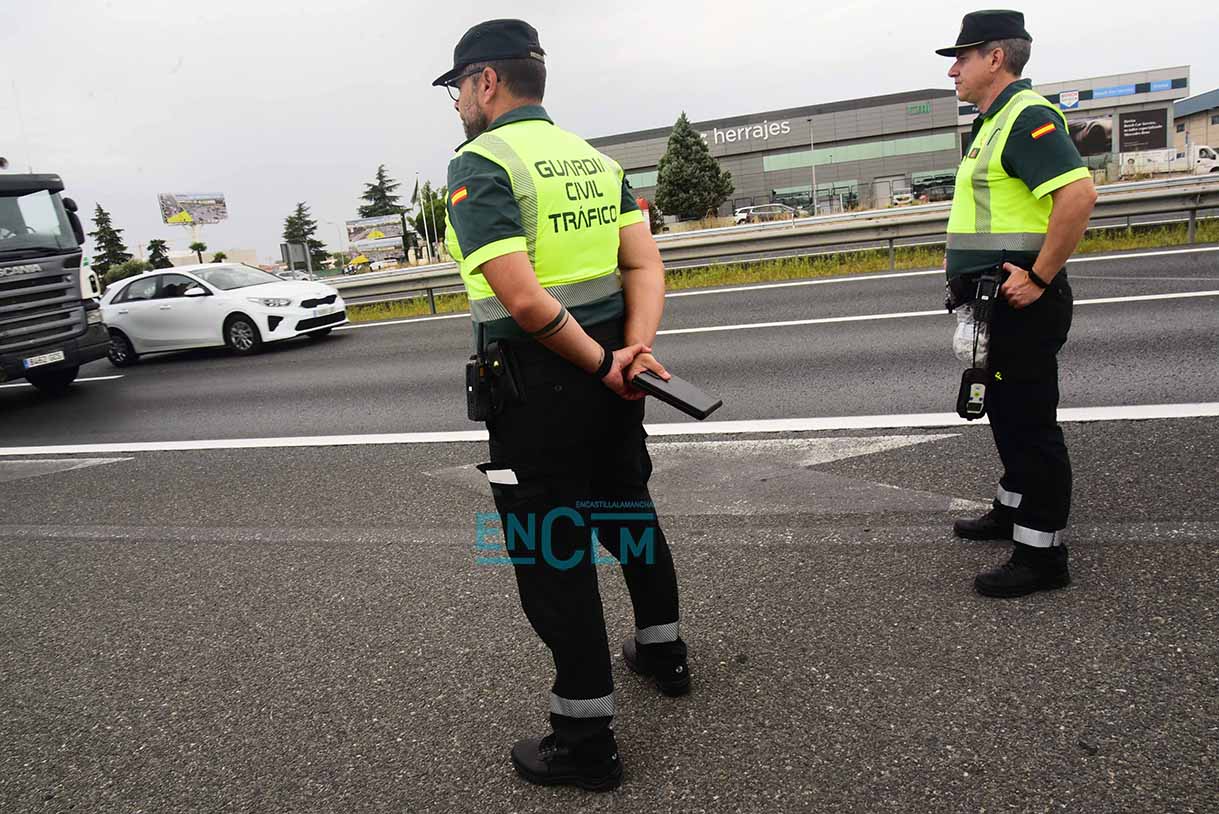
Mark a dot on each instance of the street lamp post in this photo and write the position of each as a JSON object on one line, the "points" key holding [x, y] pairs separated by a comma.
{"points": [[812, 160]]}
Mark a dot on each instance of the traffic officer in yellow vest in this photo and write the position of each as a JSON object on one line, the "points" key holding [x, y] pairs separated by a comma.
{"points": [[566, 290], [1022, 201]]}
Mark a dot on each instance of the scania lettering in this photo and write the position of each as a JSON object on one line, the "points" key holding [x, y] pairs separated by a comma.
{"points": [[50, 320]]}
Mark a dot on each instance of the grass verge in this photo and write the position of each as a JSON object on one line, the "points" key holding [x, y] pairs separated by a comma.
{"points": [[829, 265]]}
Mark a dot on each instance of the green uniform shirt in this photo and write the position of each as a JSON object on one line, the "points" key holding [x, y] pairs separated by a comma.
{"points": [[489, 217], [1045, 164]]}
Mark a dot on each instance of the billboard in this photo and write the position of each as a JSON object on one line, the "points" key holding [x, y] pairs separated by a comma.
{"points": [[192, 209], [1092, 136], [1143, 130], [378, 228], [389, 248]]}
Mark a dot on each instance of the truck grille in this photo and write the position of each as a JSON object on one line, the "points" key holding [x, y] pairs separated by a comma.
{"points": [[38, 309]]}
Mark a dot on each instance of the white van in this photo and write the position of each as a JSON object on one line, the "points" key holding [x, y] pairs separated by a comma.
{"points": [[1204, 159]]}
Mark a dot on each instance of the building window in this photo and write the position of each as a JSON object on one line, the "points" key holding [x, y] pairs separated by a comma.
{"points": [[1214, 119], [642, 178], [1180, 127], [841, 153]]}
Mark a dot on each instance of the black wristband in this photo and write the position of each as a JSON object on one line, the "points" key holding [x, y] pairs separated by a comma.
{"points": [[1037, 281], [607, 364]]}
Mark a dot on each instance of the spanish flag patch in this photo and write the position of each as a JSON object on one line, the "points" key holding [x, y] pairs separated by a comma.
{"points": [[459, 195], [1043, 130]]}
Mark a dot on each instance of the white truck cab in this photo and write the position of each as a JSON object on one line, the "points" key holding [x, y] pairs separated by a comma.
{"points": [[1204, 159]]}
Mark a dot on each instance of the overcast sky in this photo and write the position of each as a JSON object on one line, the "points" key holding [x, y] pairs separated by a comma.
{"points": [[273, 102]]}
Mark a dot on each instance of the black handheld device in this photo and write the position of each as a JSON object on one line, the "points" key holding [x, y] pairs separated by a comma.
{"points": [[678, 393]]}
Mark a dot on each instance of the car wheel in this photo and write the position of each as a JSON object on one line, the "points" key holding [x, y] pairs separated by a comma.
{"points": [[320, 333], [121, 353], [241, 335], [54, 382]]}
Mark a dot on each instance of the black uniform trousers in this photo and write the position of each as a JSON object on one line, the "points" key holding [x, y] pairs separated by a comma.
{"points": [[1022, 403], [577, 453]]}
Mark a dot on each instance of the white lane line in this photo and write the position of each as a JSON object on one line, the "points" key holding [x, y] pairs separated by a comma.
{"points": [[796, 283], [905, 314], [78, 381], [868, 422], [351, 326]]}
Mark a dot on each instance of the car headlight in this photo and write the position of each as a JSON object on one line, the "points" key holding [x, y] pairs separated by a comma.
{"points": [[271, 302], [93, 317]]}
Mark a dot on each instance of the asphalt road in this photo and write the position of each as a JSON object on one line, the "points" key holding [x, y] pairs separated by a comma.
{"points": [[408, 377], [307, 629]]}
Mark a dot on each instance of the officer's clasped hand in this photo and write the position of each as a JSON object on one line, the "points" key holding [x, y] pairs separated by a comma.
{"points": [[624, 360], [1019, 290]]}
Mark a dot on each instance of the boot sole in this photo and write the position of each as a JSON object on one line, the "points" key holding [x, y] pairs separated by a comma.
{"points": [[609, 782], [673, 689], [1010, 593]]}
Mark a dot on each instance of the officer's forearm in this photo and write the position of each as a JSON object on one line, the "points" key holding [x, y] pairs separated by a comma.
{"points": [[1068, 222], [643, 283], [538, 313]]}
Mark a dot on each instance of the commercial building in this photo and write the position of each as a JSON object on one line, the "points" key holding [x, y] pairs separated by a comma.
{"points": [[864, 153], [1197, 122]]}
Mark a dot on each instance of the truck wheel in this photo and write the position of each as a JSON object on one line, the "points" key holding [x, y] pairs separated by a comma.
{"points": [[121, 353], [54, 382], [241, 335]]}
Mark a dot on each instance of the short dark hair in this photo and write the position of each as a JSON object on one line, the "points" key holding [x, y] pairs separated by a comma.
{"points": [[524, 78], [1015, 53]]}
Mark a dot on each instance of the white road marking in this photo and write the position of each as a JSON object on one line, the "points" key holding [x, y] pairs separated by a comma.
{"points": [[78, 381], [867, 422], [796, 283], [905, 314]]}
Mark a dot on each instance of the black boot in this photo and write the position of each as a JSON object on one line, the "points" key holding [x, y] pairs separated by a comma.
{"points": [[672, 674], [1029, 570], [994, 525], [546, 762]]}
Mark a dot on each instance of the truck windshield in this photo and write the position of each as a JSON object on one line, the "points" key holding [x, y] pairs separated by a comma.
{"points": [[36, 220]]}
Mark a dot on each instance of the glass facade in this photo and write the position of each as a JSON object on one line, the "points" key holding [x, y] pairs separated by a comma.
{"points": [[639, 180], [840, 153]]}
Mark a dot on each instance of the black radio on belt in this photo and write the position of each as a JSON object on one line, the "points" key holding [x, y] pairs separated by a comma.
{"points": [[491, 382], [971, 397]]}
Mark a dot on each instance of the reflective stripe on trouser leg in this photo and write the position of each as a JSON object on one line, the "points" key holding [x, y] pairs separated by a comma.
{"points": [[583, 707], [1009, 499], [1035, 538], [656, 634]]}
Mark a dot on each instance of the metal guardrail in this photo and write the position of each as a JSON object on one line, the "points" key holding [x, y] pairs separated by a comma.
{"points": [[882, 226]]}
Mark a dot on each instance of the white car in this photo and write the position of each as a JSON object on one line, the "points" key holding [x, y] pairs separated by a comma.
{"points": [[766, 213], [212, 305]]}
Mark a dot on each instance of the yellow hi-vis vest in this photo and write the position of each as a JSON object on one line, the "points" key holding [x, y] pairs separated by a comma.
{"points": [[991, 210], [569, 196]]}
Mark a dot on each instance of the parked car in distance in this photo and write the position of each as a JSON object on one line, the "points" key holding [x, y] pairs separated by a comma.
{"points": [[293, 274], [765, 213], [214, 305]]}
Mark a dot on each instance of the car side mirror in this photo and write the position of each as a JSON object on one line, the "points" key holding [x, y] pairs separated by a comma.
{"points": [[195, 291]]}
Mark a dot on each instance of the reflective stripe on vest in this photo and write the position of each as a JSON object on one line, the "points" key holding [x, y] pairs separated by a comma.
{"points": [[992, 210], [568, 195]]}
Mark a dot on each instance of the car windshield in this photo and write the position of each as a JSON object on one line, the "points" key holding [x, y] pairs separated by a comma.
{"points": [[35, 221], [226, 278]]}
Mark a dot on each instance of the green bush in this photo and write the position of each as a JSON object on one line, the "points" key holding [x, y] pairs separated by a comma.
{"points": [[124, 270]]}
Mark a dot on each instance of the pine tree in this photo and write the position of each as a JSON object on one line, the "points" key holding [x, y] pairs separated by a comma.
{"points": [[299, 227], [158, 254], [691, 183], [380, 196], [110, 248]]}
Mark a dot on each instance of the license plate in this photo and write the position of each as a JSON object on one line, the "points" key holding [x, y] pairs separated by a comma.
{"points": [[323, 310], [44, 359]]}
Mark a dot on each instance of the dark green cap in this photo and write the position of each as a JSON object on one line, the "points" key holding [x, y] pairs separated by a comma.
{"points": [[985, 26], [492, 40]]}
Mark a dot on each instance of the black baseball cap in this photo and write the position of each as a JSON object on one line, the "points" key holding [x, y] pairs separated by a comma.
{"points": [[985, 26], [492, 40]]}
